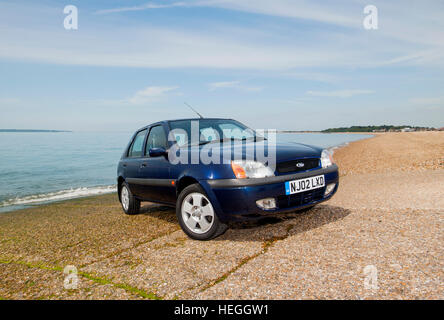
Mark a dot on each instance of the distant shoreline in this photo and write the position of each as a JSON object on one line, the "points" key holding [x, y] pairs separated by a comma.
{"points": [[342, 132], [31, 130]]}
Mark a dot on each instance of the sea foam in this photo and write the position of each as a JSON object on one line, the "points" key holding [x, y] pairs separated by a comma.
{"points": [[59, 195]]}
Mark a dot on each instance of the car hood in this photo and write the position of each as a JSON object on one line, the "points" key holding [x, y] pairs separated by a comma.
{"points": [[289, 151], [284, 151]]}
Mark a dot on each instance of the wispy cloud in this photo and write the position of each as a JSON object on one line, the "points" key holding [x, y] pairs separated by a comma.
{"points": [[282, 8], [428, 101], [147, 95], [420, 57], [224, 84], [339, 93], [146, 6], [313, 76], [150, 94], [232, 85], [427, 28], [166, 48], [155, 45], [9, 101]]}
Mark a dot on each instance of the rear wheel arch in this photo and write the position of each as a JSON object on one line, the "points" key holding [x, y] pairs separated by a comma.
{"points": [[130, 204], [120, 182]]}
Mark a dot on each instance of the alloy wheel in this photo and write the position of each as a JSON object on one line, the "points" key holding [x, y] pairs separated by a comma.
{"points": [[197, 213], [125, 198]]}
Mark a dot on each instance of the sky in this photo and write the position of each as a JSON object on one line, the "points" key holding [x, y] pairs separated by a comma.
{"points": [[281, 64]]}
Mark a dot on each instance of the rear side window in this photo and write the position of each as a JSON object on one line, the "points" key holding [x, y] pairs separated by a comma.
{"points": [[137, 145], [156, 139]]}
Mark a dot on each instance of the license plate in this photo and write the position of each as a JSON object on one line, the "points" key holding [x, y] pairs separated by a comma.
{"points": [[305, 184]]}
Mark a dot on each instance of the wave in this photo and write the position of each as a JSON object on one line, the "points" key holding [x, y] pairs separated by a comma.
{"points": [[59, 195]]}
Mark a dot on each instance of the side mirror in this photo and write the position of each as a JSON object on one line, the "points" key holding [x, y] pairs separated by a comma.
{"points": [[157, 152]]}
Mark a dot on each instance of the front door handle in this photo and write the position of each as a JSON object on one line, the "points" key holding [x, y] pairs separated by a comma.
{"points": [[143, 165]]}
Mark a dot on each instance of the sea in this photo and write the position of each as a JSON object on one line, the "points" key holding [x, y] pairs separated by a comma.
{"points": [[41, 167]]}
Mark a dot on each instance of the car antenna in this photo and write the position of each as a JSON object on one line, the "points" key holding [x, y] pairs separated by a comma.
{"points": [[193, 110]]}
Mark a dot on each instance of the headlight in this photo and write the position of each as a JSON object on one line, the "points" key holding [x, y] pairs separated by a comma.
{"points": [[326, 159], [250, 169]]}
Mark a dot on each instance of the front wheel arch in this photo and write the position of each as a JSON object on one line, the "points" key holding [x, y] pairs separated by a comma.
{"points": [[217, 228], [184, 182]]}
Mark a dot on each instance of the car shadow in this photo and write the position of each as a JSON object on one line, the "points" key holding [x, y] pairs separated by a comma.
{"points": [[158, 211], [265, 229], [277, 228], [150, 208]]}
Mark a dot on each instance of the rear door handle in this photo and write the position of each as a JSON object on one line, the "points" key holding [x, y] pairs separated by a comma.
{"points": [[124, 165], [143, 165]]}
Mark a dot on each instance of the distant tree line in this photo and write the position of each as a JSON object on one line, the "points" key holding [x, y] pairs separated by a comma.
{"points": [[375, 128], [31, 130]]}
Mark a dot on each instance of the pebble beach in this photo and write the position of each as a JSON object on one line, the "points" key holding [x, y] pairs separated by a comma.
{"points": [[379, 237]]}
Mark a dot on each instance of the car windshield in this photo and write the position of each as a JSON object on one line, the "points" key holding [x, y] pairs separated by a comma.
{"points": [[203, 131]]}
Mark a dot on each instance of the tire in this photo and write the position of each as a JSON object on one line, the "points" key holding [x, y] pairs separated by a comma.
{"points": [[196, 214], [130, 204]]}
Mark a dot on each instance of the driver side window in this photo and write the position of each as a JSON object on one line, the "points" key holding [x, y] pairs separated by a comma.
{"points": [[156, 139]]}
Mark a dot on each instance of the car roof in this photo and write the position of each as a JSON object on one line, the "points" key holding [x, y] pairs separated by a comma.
{"points": [[184, 119]]}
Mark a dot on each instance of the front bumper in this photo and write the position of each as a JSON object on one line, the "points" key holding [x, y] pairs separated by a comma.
{"points": [[235, 199]]}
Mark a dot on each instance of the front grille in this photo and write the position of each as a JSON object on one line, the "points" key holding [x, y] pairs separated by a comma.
{"points": [[300, 199], [292, 166]]}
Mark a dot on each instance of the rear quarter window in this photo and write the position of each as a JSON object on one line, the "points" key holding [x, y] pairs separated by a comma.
{"points": [[136, 147]]}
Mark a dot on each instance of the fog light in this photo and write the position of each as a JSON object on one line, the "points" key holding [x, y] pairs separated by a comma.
{"points": [[329, 189], [266, 204]]}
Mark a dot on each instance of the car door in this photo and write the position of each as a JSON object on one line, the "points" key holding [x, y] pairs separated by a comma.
{"points": [[155, 170], [134, 162]]}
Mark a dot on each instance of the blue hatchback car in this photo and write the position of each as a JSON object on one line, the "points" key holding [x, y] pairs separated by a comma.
{"points": [[168, 162]]}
